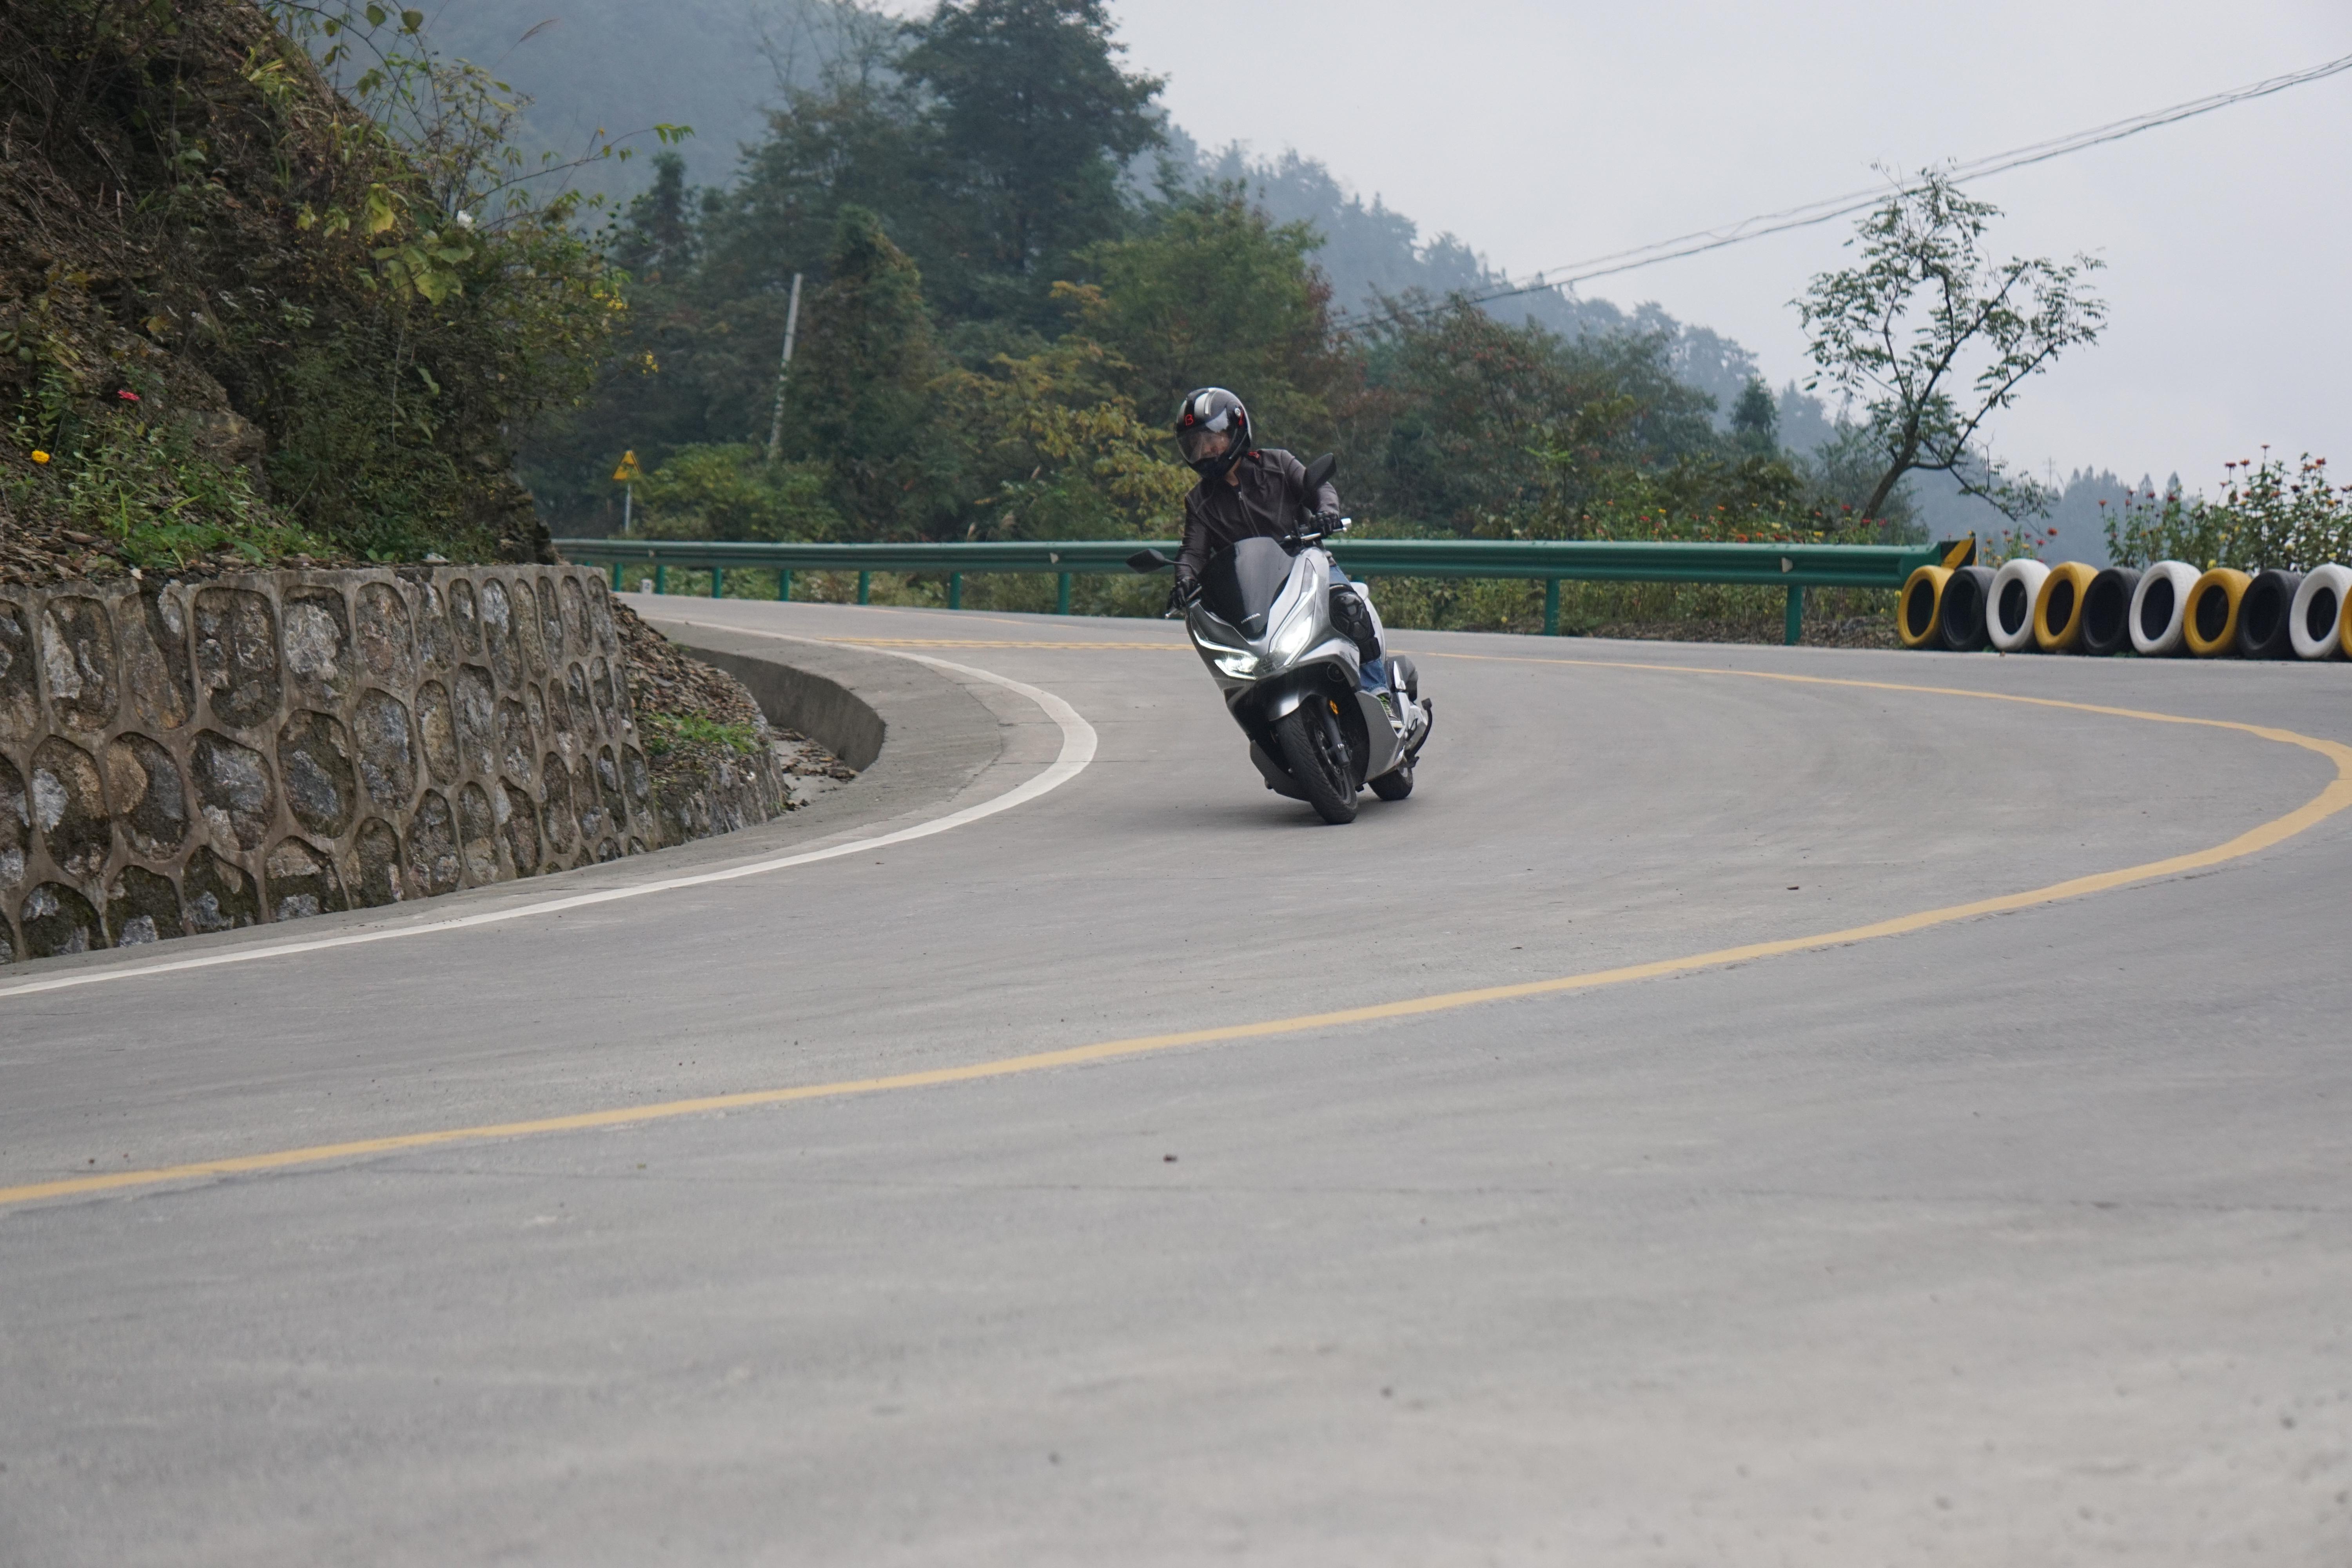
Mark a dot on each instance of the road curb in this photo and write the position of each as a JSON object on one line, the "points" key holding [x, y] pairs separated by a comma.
{"points": [[917, 737]]}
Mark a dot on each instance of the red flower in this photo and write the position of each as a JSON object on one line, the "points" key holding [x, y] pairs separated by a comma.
{"points": [[127, 397]]}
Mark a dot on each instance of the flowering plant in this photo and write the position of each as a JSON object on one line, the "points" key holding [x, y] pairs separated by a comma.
{"points": [[2268, 516]]}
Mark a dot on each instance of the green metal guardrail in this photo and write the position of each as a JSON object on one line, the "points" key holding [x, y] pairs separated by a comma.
{"points": [[1796, 567]]}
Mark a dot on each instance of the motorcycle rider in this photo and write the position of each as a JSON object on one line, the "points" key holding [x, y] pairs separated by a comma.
{"points": [[1247, 493]]}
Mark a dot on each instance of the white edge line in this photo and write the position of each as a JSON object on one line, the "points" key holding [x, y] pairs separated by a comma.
{"points": [[1078, 741]]}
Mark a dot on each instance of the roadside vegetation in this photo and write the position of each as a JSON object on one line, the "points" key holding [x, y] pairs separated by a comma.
{"points": [[1009, 280], [2266, 515], [273, 283], [277, 284]]}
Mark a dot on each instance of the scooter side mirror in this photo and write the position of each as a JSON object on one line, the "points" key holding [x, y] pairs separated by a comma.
{"points": [[1146, 560], [1318, 474]]}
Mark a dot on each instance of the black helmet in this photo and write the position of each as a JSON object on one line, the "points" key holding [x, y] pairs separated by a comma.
{"points": [[1213, 430]]}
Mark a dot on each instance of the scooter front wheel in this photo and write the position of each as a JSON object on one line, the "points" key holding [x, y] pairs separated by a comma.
{"points": [[1315, 749]]}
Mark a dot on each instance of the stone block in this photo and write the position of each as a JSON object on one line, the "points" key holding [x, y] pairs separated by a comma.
{"points": [[69, 809], [320, 658], [151, 637], [236, 657], [57, 920], [220, 894], [78, 662], [149, 795], [142, 906], [20, 695], [388, 639], [235, 794]]}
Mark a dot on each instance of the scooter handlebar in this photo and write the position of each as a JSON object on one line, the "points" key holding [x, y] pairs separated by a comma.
{"points": [[1320, 527]]}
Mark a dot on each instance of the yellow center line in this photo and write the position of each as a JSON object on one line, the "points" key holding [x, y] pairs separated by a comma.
{"points": [[2334, 798]]}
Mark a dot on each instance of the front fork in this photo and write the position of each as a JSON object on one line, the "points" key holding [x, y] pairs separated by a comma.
{"points": [[1260, 710]]}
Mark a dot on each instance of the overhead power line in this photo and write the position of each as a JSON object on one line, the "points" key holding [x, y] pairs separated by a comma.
{"points": [[1821, 211]]}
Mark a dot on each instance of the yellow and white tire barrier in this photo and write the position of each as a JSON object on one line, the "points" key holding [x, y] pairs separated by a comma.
{"points": [[2316, 624], [2174, 608], [1921, 617], [2008, 610], [2210, 624], [2058, 607], [2159, 611]]}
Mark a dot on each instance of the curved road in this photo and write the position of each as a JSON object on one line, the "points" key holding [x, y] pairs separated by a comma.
{"points": [[1973, 1238]]}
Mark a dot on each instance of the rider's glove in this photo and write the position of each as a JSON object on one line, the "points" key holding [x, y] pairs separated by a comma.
{"points": [[1184, 595]]}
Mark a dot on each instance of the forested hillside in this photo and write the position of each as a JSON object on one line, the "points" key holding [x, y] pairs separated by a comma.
{"points": [[719, 65], [1000, 313], [280, 282]]}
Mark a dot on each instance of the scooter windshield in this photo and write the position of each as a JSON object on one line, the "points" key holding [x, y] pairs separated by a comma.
{"points": [[1241, 585]]}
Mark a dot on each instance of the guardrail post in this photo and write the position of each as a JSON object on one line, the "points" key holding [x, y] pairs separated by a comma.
{"points": [[661, 578], [955, 590], [617, 576], [1062, 596], [1552, 607], [1796, 626], [783, 584], [864, 587], [718, 582]]}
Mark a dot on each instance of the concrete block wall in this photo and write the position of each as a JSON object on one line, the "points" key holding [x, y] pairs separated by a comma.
{"points": [[193, 757]]}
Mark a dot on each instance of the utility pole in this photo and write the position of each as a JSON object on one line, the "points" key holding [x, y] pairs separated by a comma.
{"points": [[783, 366]]}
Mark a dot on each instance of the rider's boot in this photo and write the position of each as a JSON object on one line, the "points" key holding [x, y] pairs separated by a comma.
{"points": [[1408, 710]]}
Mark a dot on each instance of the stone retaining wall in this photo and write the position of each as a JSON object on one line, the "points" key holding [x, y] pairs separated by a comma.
{"points": [[193, 757]]}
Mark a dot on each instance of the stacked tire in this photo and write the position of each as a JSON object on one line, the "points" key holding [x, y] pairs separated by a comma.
{"points": [[2169, 610]]}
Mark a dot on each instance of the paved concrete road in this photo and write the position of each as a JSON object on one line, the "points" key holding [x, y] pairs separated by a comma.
{"points": [[2020, 1238]]}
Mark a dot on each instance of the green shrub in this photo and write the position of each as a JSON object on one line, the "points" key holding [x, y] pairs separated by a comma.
{"points": [[731, 491]]}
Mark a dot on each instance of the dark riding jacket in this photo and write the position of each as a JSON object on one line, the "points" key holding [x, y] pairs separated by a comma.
{"points": [[1265, 504]]}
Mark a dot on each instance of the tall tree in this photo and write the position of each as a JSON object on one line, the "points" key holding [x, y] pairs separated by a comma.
{"points": [[1755, 419], [657, 241], [1475, 426], [1933, 336], [864, 380], [855, 140], [1029, 101], [1215, 292]]}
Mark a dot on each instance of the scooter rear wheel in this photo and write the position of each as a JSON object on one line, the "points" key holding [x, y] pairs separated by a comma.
{"points": [[1315, 749], [1396, 783]]}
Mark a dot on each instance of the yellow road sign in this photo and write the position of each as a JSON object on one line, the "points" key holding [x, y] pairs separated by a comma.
{"points": [[628, 471]]}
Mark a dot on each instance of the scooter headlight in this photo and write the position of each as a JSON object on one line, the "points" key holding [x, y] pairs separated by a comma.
{"points": [[1235, 663], [1296, 632]]}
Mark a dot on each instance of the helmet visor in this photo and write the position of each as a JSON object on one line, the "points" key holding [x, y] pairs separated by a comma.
{"points": [[1201, 443]]}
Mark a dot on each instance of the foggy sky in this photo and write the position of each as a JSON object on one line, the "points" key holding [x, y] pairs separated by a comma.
{"points": [[1543, 133]]}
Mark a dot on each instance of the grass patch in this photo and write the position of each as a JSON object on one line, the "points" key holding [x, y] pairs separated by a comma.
{"points": [[158, 500], [666, 733]]}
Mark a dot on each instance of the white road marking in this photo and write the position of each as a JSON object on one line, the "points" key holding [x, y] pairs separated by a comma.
{"points": [[1079, 742]]}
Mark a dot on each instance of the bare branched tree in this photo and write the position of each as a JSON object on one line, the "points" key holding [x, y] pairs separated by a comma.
{"points": [[1932, 337], [812, 44]]}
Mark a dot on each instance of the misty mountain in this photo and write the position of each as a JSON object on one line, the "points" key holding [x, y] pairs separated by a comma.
{"points": [[625, 66], [1375, 257]]}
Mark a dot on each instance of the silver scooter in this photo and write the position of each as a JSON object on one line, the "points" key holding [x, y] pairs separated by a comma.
{"points": [[1264, 624]]}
